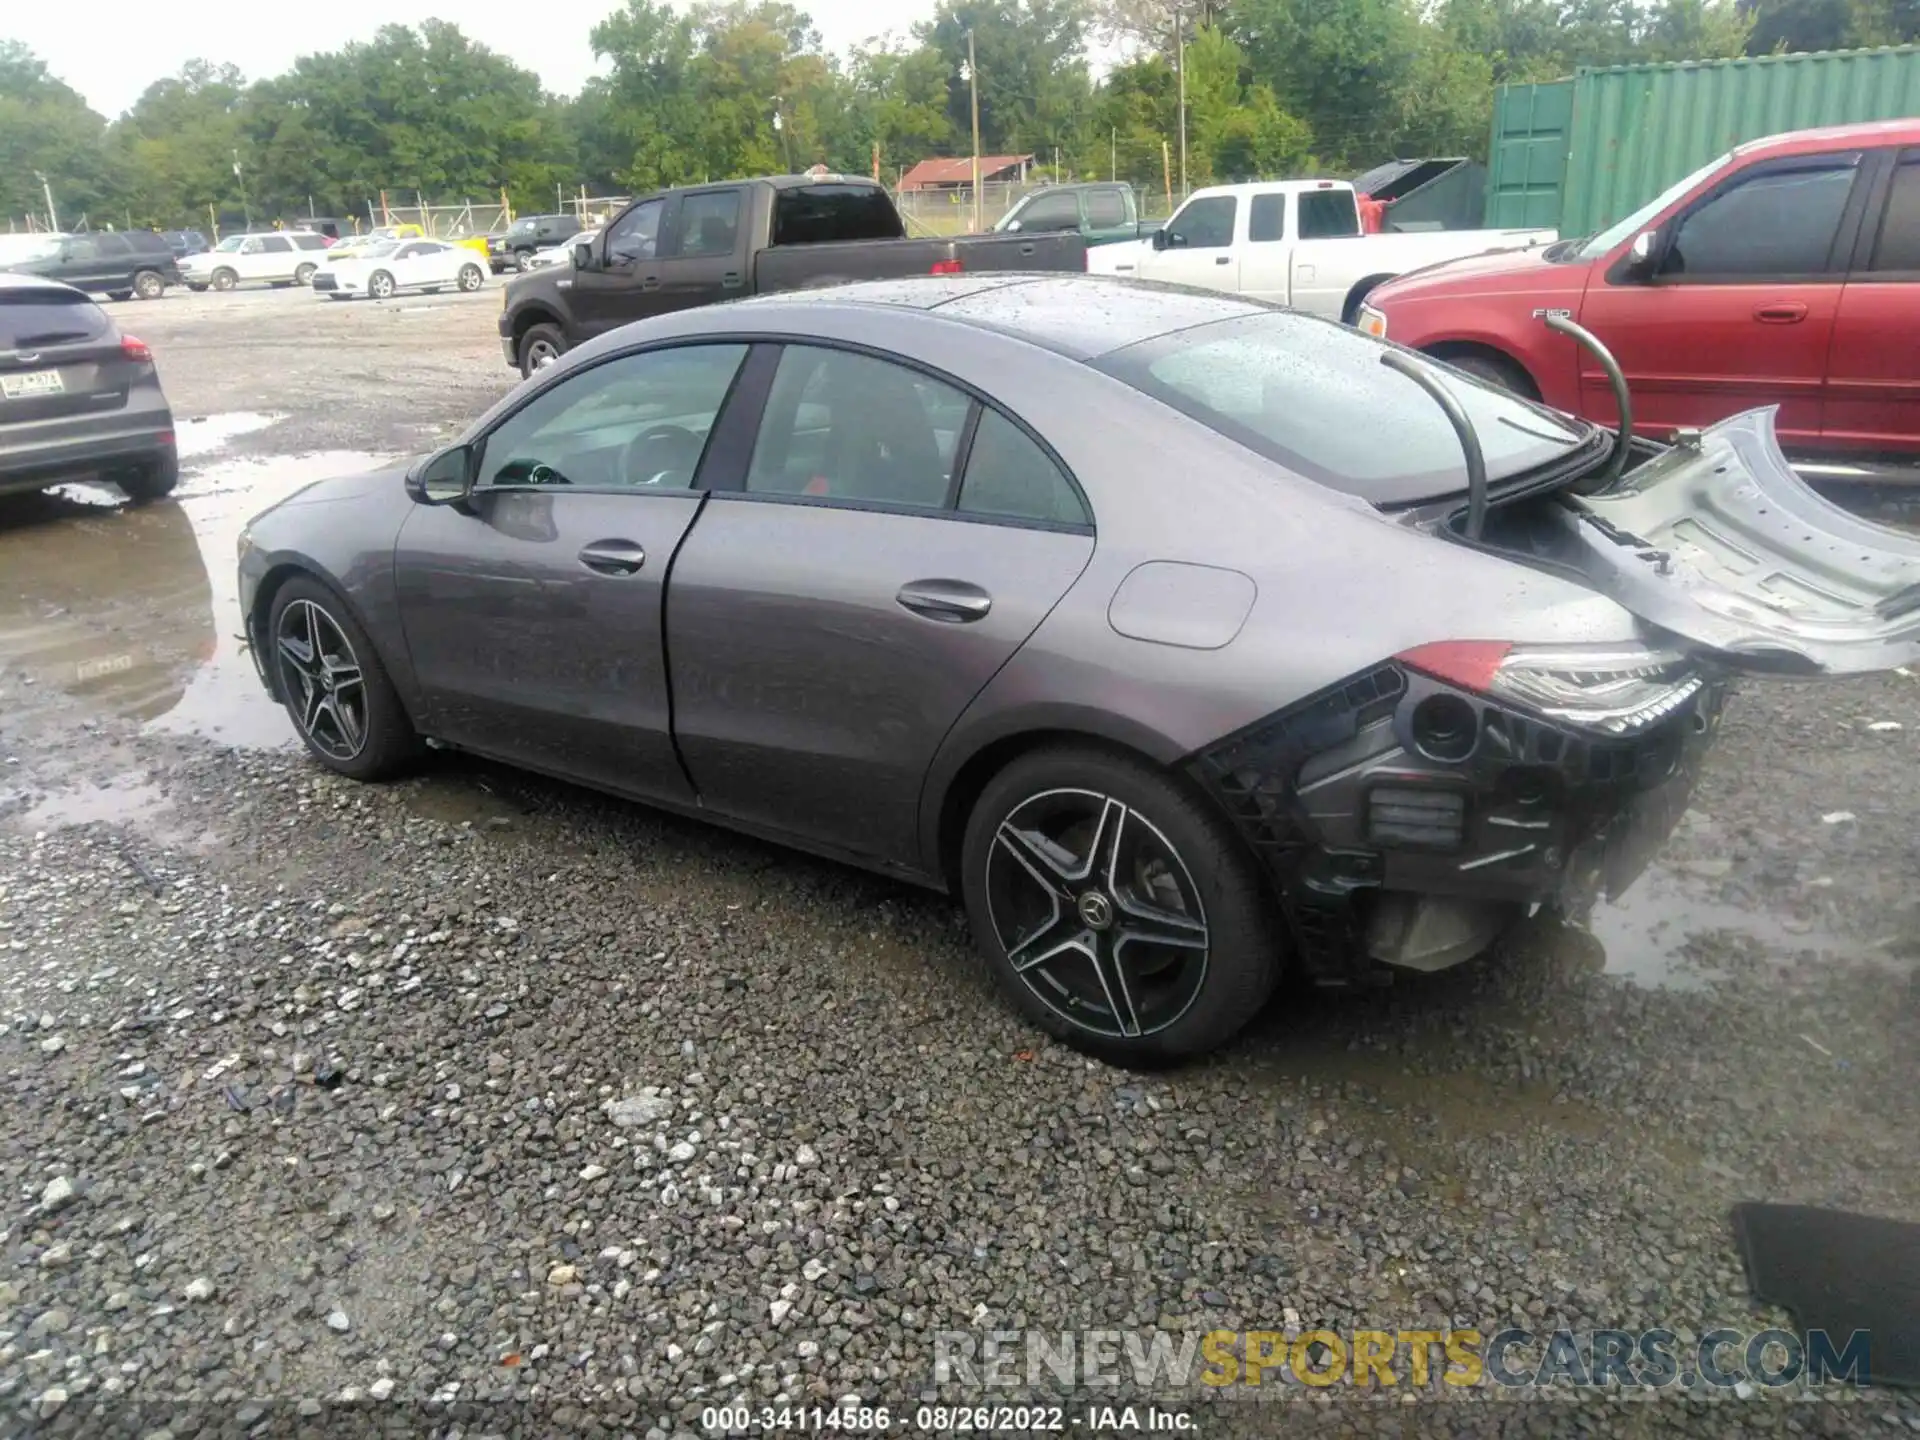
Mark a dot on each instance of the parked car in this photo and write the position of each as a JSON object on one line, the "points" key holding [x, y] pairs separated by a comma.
{"points": [[824, 568], [118, 263], [1786, 273], [353, 246], [277, 257], [558, 254], [527, 236], [382, 271], [77, 397], [705, 243], [1102, 213], [184, 242], [328, 225], [1291, 242]]}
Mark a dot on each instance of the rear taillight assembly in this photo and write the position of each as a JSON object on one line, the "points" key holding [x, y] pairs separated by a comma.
{"points": [[948, 267], [132, 349], [1616, 689]]}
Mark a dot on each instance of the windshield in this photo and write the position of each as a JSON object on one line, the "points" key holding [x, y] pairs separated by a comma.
{"points": [[378, 248], [1622, 230], [231, 244], [1314, 397], [525, 227]]}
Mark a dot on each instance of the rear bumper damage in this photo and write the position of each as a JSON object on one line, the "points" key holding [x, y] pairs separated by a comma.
{"points": [[1404, 820]]}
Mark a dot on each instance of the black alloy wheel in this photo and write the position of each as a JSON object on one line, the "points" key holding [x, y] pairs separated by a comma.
{"points": [[334, 687]]}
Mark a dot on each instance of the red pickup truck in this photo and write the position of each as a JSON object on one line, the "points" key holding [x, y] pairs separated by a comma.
{"points": [[1787, 273]]}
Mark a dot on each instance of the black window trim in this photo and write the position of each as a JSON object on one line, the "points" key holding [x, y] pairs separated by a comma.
{"points": [[1844, 237], [732, 484], [477, 446], [667, 247], [1233, 222], [1254, 200], [669, 215], [1889, 160]]}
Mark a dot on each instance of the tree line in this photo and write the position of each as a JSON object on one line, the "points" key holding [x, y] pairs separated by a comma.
{"points": [[738, 87]]}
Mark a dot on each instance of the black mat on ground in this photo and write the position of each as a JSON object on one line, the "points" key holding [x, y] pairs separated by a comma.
{"points": [[1839, 1272]]}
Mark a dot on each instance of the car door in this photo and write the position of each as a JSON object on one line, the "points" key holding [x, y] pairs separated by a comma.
{"points": [[1267, 259], [1736, 307], [1873, 367], [1325, 256], [81, 263], [533, 612], [1199, 246], [421, 263], [891, 545], [704, 258], [623, 285]]}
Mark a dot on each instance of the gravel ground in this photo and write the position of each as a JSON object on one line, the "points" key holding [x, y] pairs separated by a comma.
{"points": [[480, 1103]]}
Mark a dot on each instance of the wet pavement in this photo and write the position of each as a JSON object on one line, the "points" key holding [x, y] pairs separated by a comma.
{"points": [[1553, 1132]]}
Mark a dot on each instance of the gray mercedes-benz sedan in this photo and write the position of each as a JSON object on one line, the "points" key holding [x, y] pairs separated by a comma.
{"points": [[1189, 641]]}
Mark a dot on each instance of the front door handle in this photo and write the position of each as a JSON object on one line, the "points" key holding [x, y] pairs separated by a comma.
{"points": [[613, 557], [730, 280], [951, 602], [1221, 259], [649, 282], [1784, 314]]}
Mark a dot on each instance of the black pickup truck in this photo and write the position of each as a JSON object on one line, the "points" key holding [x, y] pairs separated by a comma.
{"points": [[702, 244]]}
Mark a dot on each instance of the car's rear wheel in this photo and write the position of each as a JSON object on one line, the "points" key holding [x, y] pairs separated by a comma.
{"points": [[334, 686], [225, 279], [540, 347], [380, 285], [304, 274], [197, 289], [520, 258], [149, 285], [143, 484], [1116, 909], [470, 277], [119, 294]]}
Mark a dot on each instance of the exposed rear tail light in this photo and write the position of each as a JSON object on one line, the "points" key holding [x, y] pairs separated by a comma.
{"points": [[948, 267], [133, 349], [1617, 689]]}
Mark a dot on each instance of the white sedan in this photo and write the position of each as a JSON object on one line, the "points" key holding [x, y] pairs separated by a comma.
{"points": [[561, 254], [385, 269]]}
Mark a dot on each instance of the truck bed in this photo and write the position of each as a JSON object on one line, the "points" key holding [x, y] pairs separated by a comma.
{"points": [[805, 267]]}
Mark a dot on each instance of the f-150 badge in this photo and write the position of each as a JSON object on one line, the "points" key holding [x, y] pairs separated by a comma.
{"points": [[1544, 314]]}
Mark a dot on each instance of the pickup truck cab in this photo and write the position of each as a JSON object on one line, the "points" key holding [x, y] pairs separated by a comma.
{"points": [[1104, 213], [1785, 273], [707, 243], [1291, 242]]}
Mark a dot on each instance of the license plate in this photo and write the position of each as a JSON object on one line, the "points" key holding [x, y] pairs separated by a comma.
{"points": [[34, 382]]}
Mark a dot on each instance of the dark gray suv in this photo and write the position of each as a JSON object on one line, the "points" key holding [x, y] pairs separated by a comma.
{"points": [[77, 398]]}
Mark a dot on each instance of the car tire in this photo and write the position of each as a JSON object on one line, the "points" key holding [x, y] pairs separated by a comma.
{"points": [[196, 289], [540, 347], [224, 279], [149, 285], [358, 729], [1496, 370], [121, 295], [1195, 954], [380, 285], [339, 297], [471, 279], [520, 258], [146, 483], [303, 274]]}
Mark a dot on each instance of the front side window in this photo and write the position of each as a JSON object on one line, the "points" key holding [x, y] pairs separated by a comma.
{"points": [[635, 236], [1009, 477], [842, 426], [81, 247], [640, 422], [1314, 397], [1206, 224], [1777, 222], [709, 223]]}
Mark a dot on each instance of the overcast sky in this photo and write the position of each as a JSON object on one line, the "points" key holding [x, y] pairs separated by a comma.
{"points": [[112, 50]]}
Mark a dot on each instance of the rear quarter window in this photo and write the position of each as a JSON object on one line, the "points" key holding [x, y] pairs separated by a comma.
{"points": [[30, 317]]}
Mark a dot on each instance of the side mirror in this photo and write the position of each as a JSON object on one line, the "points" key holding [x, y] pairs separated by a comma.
{"points": [[1640, 254], [583, 255], [1160, 240], [445, 479]]}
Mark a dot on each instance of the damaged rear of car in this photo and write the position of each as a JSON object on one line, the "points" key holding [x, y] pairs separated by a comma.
{"points": [[1411, 812]]}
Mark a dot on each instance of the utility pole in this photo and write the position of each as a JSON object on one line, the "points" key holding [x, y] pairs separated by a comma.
{"points": [[1113, 162], [973, 84], [53, 220], [245, 208], [1180, 65]]}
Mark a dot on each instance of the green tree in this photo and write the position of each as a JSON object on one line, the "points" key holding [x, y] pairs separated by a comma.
{"points": [[177, 145], [1035, 90], [46, 129], [899, 98]]}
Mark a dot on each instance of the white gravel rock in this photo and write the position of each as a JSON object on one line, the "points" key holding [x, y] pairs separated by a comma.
{"points": [[648, 1107]]}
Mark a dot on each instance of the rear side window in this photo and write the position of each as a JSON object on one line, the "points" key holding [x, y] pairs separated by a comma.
{"points": [[1267, 217], [816, 214], [1313, 397], [1009, 477], [113, 245], [310, 242], [709, 223], [1898, 247], [1776, 222], [1328, 214], [1106, 207], [276, 244], [32, 317]]}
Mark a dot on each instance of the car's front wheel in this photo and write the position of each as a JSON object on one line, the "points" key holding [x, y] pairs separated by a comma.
{"points": [[1117, 910], [225, 279], [540, 347], [334, 686], [470, 277], [380, 285], [304, 274]]}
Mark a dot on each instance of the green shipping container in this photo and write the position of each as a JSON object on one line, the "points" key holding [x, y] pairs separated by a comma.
{"points": [[1621, 136]]}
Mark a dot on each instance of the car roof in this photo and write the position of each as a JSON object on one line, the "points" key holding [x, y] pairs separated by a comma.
{"points": [[1079, 316], [1797, 142]]}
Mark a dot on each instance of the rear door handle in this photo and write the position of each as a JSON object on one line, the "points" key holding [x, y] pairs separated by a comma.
{"points": [[1791, 314], [730, 280], [613, 557], [649, 282], [952, 602]]}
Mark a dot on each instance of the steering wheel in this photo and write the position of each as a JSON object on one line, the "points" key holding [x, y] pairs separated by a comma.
{"points": [[632, 461]]}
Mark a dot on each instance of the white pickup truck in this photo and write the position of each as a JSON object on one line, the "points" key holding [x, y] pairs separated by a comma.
{"points": [[1291, 242]]}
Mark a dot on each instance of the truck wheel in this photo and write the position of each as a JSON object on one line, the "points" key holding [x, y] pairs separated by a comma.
{"points": [[540, 347], [148, 285], [225, 279], [119, 294], [520, 258], [304, 274], [1496, 370]]}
